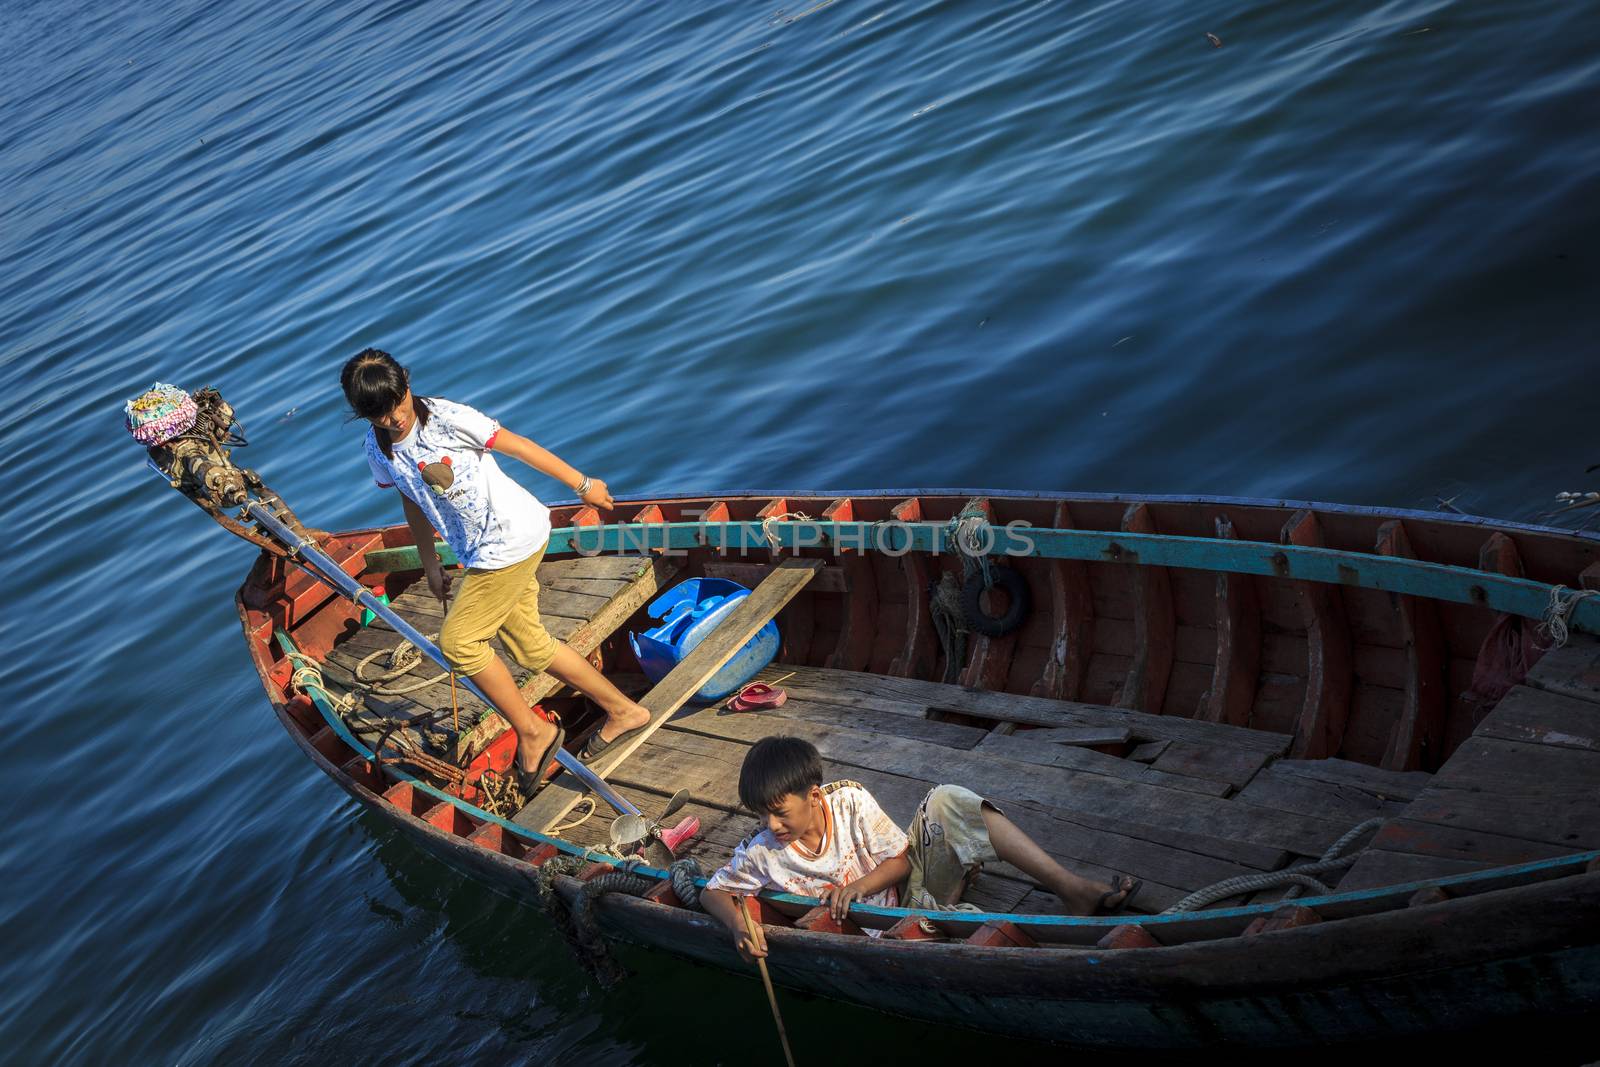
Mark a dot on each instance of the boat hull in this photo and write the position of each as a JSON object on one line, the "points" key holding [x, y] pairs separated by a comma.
{"points": [[1496, 958]]}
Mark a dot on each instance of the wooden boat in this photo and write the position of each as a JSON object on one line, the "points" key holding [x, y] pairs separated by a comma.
{"points": [[1202, 689]]}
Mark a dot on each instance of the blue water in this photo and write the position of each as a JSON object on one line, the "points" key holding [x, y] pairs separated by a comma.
{"points": [[1349, 255]]}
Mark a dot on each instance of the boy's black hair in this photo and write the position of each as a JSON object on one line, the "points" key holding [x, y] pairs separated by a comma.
{"points": [[775, 767], [374, 383]]}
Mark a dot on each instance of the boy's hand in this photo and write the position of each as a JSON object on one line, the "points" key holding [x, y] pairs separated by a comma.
{"points": [[838, 898], [752, 945]]}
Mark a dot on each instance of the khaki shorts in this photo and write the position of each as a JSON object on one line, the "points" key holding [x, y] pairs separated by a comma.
{"points": [[504, 602], [949, 846]]}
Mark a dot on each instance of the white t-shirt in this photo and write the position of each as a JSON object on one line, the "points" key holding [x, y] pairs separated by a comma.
{"points": [[857, 837], [447, 469]]}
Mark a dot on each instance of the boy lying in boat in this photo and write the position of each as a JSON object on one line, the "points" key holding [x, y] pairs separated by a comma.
{"points": [[834, 842]]}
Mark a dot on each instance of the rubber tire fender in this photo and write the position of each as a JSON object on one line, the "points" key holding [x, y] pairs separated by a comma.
{"points": [[1017, 593]]}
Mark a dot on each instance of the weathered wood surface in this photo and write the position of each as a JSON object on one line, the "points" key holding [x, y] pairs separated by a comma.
{"points": [[1524, 786], [1341, 804], [865, 690], [681, 683], [1238, 662], [1418, 735], [1536, 717], [1572, 671], [1319, 730], [1231, 767], [1085, 736], [1154, 622], [1022, 747]]}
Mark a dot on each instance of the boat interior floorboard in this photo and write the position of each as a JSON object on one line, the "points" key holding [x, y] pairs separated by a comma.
{"points": [[1523, 787]]}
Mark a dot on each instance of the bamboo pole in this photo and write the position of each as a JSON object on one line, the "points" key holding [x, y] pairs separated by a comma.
{"points": [[766, 980]]}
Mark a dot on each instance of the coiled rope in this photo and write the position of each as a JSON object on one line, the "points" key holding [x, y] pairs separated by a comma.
{"points": [[1562, 601], [1297, 877]]}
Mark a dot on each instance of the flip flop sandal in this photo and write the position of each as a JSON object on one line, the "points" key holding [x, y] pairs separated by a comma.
{"points": [[530, 782], [598, 746], [757, 696], [1126, 884]]}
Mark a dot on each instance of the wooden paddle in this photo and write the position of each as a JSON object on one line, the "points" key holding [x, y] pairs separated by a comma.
{"points": [[766, 980]]}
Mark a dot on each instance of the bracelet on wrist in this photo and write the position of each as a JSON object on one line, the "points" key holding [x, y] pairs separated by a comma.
{"points": [[584, 486]]}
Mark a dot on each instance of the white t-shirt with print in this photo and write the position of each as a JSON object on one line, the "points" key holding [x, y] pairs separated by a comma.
{"points": [[447, 469], [857, 837]]}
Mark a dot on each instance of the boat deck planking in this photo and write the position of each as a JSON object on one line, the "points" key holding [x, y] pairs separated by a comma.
{"points": [[1525, 786], [1178, 802]]}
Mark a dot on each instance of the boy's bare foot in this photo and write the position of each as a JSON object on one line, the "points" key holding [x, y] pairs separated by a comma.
{"points": [[1110, 899]]}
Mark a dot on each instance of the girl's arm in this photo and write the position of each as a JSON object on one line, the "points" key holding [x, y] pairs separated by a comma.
{"points": [[422, 534], [546, 462]]}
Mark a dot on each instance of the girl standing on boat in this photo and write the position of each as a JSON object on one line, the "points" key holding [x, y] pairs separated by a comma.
{"points": [[441, 457]]}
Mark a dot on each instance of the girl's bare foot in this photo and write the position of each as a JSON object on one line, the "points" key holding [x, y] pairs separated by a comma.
{"points": [[630, 716], [533, 743]]}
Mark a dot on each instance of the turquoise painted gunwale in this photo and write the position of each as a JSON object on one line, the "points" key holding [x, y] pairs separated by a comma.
{"points": [[1435, 581]]}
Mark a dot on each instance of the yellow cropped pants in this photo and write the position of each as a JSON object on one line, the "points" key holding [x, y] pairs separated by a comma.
{"points": [[505, 602]]}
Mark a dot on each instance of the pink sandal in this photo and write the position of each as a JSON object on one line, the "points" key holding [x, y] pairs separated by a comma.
{"points": [[757, 696]]}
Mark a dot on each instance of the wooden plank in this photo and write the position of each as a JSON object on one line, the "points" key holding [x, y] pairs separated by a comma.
{"points": [[1154, 625], [1319, 730], [1382, 784], [649, 577], [1233, 767], [1091, 762], [1477, 846], [681, 683], [1085, 736], [1533, 716], [864, 689], [1571, 671], [1342, 805], [1380, 867], [1149, 752], [858, 622], [1238, 663], [919, 647], [1072, 612], [832, 578], [1417, 739]]}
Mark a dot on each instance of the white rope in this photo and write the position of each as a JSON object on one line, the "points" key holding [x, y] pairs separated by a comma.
{"points": [[788, 516], [1562, 601]]}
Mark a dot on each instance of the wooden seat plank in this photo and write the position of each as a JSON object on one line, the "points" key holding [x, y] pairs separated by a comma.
{"points": [[865, 689], [1535, 716], [682, 682], [1382, 784], [1572, 671]]}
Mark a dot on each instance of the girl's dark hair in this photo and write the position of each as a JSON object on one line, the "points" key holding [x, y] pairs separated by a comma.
{"points": [[374, 383], [775, 767]]}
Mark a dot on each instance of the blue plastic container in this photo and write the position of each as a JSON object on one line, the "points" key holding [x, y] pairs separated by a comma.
{"points": [[688, 612]]}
